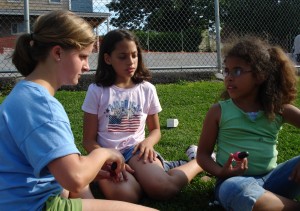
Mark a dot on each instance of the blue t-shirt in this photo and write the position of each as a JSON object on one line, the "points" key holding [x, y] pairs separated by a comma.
{"points": [[34, 130]]}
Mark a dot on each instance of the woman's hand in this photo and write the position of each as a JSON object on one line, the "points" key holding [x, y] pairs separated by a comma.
{"points": [[113, 166], [119, 177], [147, 151], [103, 174]]}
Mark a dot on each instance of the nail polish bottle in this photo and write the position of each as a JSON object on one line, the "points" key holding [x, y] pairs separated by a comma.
{"points": [[112, 169], [113, 166], [238, 156]]}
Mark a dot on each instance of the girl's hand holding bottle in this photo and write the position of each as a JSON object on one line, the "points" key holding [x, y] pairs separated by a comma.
{"points": [[230, 170]]}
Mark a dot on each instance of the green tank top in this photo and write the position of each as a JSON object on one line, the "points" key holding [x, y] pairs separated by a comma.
{"points": [[239, 132]]}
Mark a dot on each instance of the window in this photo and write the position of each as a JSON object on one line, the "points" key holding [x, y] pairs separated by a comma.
{"points": [[17, 28]]}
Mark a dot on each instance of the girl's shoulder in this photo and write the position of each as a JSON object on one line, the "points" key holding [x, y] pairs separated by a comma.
{"points": [[93, 87], [146, 85], [227, 101], [95, 91], [291, 115], [215, 107]]}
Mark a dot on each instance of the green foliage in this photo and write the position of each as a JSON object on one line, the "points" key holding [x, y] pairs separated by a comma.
{"points": [[5, 89], [258, 17], [192, 39], [187, 40], [277, 20], [161, 16]]}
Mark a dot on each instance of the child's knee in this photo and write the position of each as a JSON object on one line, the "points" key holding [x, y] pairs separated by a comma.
{"points": [[162, 189], [127, 195], [123, 192], [239, 193]]}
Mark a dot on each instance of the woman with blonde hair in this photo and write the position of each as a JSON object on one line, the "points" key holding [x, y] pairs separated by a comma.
{"points": [[40, 165]]}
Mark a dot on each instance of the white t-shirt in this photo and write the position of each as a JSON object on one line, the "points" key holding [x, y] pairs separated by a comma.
{"points": [[121, 113]]}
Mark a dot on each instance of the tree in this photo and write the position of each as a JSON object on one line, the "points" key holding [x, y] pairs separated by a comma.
{"points": [[162, 15], [278, 20]]}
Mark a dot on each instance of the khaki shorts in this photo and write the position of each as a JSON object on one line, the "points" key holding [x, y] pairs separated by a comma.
{"points": [[55, 203]]}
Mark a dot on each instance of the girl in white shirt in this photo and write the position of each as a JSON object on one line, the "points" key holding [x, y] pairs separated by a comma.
{"points": [[116, 110]]}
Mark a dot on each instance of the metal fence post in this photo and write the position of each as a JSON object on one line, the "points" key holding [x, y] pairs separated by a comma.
{"points": [[26, 16], [218, 37]]}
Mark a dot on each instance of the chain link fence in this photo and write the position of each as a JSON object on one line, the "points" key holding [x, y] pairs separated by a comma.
{"points": [[176, 35]]}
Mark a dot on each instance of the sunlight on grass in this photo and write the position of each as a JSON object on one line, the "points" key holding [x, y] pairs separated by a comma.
{"points": [[188, 102]]}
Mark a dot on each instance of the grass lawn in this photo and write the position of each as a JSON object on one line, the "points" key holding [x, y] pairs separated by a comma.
{"points": [[188, 102]]}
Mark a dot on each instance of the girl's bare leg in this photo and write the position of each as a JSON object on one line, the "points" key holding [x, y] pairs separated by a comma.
{"points": [[161, 185], [90, 204], [110, 205], [190, 169], [129, 190]]}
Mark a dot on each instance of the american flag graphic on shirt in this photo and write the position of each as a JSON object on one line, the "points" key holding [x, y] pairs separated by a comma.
{"points": [[124, 116], [124, 124]]}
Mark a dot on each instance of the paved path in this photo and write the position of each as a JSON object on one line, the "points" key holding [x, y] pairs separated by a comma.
{"points": [[152, 60]]}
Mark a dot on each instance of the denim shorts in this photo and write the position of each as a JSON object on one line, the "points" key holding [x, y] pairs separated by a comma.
{"points": [[241, 192]]}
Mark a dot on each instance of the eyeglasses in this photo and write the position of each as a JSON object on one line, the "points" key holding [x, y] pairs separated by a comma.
{"points": [[236, 72]]}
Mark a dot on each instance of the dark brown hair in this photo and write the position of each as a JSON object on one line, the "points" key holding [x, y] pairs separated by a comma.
{"points": [[105, 74], [272, 65]]}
